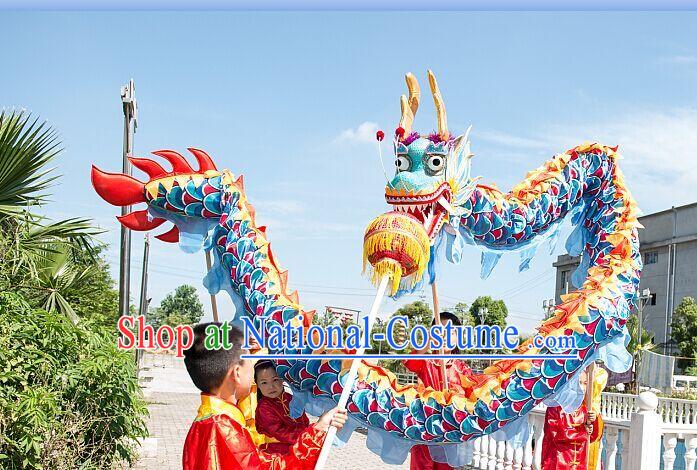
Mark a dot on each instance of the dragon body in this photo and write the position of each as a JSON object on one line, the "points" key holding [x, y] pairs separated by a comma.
{"points": [[209, 209]]}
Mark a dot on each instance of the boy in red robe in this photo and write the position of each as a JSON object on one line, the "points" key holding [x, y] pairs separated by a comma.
{"points": [[430, 374], [565, 442], [218, 439], [273, 410]]}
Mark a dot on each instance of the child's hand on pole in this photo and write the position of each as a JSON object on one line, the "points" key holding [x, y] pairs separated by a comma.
{"points": [[333, 417], [592, 416]]}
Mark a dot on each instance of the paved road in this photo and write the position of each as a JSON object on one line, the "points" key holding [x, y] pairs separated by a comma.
{"points": [[173, 402]]}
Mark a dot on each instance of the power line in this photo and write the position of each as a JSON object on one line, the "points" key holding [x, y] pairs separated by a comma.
{"points": [[169, 270], [523, 284], [532, 286]]}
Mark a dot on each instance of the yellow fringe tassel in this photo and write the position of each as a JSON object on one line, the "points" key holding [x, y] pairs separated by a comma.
{"points": [[403, 247]]}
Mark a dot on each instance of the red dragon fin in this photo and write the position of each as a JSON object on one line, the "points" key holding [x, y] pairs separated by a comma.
{"points": [[179, 163], [205, 162], [151, 167], [138, 220], [170, 236], [116, 188]]}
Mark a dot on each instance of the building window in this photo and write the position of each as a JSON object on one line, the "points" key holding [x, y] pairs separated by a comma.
{"points": [[564, 279], [651, 257], [652, 301]]}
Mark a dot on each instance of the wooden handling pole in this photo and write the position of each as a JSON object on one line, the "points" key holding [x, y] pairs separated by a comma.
{"points": [[590, 377], [351, 376], [436, 315], [214, 304]]}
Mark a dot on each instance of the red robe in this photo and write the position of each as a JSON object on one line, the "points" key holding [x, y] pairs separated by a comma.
{"points": [[218, 440], [430, 374], [564, 446], [273, 419]]}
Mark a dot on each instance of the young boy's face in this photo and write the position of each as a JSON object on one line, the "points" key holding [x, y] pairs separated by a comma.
{"points": [[242, 376], [453, 335], [269, 383], [583, 380]]}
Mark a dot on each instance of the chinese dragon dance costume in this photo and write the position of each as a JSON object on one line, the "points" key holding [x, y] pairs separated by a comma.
{"points": [[432, 185]]}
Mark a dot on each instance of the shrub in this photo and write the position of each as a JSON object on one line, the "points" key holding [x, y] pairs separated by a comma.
{"points": [[68, 397]]}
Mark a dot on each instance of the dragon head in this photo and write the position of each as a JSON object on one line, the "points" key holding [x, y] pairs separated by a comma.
{"points": [[432, 179]]}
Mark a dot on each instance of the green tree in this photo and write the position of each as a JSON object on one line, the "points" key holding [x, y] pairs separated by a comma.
{"points": [[684, 330], [26, 148], [418, 313], [60, 279], [99, 302], [181, 307], [379, 346], [497, 312], [636, 344], [36, 254], [69, 398], [462, 311], [324, 319]]}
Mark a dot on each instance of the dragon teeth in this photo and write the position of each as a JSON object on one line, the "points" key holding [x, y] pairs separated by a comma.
{"points": [[427, 220]]}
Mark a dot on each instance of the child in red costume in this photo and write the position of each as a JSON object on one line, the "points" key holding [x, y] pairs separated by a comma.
{"points": [[218, 439], [273, 410], [566, 436], [430, 374]]}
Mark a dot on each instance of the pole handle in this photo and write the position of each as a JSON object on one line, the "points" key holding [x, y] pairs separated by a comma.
{"points": [[214, 303], [590, 373], [436, 316], [351, 377]]}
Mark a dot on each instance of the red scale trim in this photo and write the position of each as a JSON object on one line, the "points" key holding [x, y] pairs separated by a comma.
{"points": [[482, 423]]}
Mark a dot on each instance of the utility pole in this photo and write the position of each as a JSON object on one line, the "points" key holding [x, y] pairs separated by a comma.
{"points": [[144, 277], [548, 308], [378, 324], [130, 123], [144, 302], [643, 298], [482, 314], [483, 311]]}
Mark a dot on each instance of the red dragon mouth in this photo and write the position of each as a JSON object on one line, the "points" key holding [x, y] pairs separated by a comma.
{"points": [[426, 207]]}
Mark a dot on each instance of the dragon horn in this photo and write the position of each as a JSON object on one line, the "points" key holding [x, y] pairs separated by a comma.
{"points": [[411, 105], [440, 106], [179, 163]]}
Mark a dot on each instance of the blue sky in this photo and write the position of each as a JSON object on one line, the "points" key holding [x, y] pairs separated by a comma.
{"points": [[292, 100]]}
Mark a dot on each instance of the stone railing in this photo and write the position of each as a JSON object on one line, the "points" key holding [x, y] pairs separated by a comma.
{"points": [[671, 410], [634, 432]]}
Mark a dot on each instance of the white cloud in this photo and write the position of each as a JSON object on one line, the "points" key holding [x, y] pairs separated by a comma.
{"points": [[364, 133], [659, 150]]}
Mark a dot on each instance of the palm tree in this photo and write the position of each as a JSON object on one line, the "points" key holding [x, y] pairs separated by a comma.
{"points": [[35, 250], [636, 344]]}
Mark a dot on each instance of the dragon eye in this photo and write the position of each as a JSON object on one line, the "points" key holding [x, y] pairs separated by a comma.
{"points": [[402, 163], [435, 163]]}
